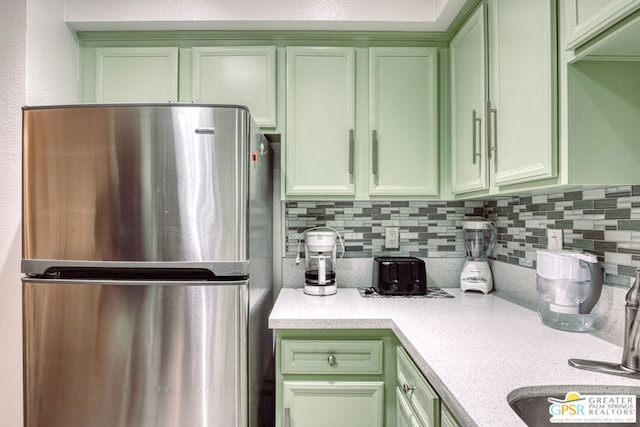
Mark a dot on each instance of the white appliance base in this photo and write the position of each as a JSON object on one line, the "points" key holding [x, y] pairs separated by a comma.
{"points": [[320, 290], [476, 276]]}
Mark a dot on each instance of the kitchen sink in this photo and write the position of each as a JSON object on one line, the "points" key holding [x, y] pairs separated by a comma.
{"points": [[534, 404]]}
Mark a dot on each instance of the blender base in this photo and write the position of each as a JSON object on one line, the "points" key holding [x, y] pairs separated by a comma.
{"points": [[476, 276], [320, 290]]}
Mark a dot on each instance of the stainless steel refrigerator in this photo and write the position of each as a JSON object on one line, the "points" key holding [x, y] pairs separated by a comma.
{"points": [[147, 254]]}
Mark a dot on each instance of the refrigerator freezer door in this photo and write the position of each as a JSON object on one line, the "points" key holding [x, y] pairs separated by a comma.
{"points": [[135, 353], [136, 183]]}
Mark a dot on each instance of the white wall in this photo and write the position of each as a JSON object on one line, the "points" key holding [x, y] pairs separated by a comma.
{"points": [[12, 88], [52, 55], [39, 60], [409, 15]]}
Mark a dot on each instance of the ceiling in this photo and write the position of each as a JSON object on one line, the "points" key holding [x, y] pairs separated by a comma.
{"points": [[348, 15]]}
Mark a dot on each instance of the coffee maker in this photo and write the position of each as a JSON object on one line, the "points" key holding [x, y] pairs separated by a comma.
{"points": [[480, 237], [320, 261]]}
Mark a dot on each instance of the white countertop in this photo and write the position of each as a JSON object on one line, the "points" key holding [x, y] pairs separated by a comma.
{"points": [[474, 349]]}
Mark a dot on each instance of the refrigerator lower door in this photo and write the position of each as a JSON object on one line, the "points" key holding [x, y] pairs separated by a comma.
{"points": [[115, 353]]}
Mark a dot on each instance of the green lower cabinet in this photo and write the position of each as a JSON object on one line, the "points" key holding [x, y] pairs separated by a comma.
{"points": [[416, 393], [446, 417], [352, 378], [335, 378], [333, 403], [405, 416]]}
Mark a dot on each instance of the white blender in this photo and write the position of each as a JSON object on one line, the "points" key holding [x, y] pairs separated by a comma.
{"points": [[480, 237], [320, 261]]}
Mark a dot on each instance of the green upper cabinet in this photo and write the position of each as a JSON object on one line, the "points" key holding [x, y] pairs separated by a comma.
{"points": [[240, 75], [320, 140], [135, 74], [391, 152], [237, 75], [469, 155], [503, 97], [521, 112], [403, 118], [600, 93], [589, 18]]}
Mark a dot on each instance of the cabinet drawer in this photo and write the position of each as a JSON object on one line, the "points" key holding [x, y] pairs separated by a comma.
{"points": [[417, 390], [331, 357]]}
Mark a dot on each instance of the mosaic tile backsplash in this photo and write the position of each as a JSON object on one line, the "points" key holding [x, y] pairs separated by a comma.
{"points": [[604, 221]]}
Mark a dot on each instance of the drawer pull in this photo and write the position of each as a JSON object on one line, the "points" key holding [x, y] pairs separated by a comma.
{"points": [[331, 360], [408, 389]]}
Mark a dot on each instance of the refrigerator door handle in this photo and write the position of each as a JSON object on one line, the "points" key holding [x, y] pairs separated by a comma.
{"points": [[206, 131]]}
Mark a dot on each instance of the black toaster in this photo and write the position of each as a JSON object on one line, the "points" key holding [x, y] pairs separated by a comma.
{"points": [[399, 276]]}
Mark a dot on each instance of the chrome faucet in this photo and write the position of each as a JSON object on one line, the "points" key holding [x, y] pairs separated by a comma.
{"points": [[630, 355], [630, 366]]}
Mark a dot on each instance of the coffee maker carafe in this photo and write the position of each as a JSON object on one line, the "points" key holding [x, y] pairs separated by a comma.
{"points": [[479, 239], [320, 262]]}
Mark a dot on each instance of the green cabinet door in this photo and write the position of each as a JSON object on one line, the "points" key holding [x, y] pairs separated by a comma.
{"points": [[333, 403], [318, 151], [590, 18], [468, 99], [522, 108], [135, 74], [403, 117], [237, 75], [405, 416], [447, 419]]}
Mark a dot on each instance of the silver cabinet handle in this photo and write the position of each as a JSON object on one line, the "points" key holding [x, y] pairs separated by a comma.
{"points": [[351, 149], [408, 389], [331, 360], [474, 135], [492, 139], [287, 417], [374, 152]]}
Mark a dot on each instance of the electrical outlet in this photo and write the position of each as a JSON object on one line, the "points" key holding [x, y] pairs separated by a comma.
{"points": [[391, 237], [554, 239]]}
